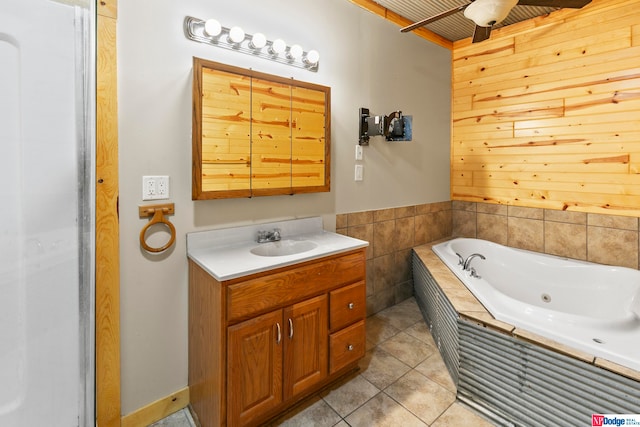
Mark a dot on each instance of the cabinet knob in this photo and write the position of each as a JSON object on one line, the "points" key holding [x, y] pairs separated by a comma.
{"points": [[350, 306], [350, 347]]}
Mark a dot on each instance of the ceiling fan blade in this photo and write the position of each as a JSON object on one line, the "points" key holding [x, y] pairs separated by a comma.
{"points": [[434, 18], [572, 4], [481, 33]]}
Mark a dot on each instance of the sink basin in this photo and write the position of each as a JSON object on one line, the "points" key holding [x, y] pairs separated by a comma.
{"points": [[283, 247]]}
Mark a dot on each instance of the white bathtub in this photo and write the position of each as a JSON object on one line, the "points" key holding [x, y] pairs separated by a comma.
{"points": [[590, 307]]}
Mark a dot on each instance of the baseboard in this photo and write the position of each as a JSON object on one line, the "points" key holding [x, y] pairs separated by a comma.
{"points": [[157, 410]]}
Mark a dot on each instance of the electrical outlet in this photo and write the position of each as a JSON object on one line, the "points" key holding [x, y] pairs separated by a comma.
{"points": [[155, 187]]}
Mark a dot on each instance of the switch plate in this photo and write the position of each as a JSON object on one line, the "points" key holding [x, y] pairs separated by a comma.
{"points": [[155, 187], [358, 152], [359, 172]]}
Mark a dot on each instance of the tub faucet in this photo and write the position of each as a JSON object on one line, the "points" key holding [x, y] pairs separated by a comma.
{"points": [[269, 236], [465, 265]]}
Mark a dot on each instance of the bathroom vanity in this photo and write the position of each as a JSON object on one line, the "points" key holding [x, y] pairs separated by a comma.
{"points": [[266, 331]]}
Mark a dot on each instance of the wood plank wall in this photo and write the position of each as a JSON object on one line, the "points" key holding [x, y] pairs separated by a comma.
{"points": [[547, 112]]}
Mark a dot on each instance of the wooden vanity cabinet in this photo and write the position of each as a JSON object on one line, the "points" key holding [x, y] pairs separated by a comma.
{"points": [[260, 344]]}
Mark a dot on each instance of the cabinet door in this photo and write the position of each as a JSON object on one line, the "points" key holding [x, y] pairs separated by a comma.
{"points": [[254, 383], [305, 345]]}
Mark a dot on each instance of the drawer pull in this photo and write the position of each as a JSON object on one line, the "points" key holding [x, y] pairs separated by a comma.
{"points": [[350, 347], [350, 306], [290, 329], [278, 333]]}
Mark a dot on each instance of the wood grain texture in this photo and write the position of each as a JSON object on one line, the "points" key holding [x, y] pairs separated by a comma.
{"points": [[401, 21], [254, 296], [256, 134], [207, 347], [108, 407], [250, 369], [545, 113], [157, 410]]}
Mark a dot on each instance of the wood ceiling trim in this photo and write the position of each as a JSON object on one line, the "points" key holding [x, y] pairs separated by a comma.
{"points": [[401, 21]]}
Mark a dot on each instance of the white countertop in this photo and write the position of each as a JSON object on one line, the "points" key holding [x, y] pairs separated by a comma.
{"points": [[225, 253]]}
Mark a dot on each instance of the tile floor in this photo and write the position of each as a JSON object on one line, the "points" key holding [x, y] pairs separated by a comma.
{"points": [[402, 382]]}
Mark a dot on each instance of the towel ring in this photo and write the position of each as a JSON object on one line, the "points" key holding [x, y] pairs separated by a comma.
{"points": [[158, 218]]}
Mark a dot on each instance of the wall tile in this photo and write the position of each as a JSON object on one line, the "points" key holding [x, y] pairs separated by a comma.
{"points": [[383, 215], [565, 216], [441, 206], [405, 230], [612, 221], [526, 233], [464, 223], [402, 266], [384, 237], [423, 209], [463, 206], [522, 212], [491, 208], [392, 233], [492, 227], [383, 270], [422, 224], [565, 239], [359, 218], [612, 246], [405, 212], [341, 221], [363, 232]]}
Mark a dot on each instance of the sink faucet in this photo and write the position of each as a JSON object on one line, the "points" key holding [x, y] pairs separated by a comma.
{"points": [[269, 236], [465, 265]]}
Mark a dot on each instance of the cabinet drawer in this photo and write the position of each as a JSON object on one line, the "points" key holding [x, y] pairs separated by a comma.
{"points": [[346, 346], [265, 293], [347, 305]]}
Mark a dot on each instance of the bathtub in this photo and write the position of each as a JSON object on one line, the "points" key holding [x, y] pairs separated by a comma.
{"points": [[590, 307]]}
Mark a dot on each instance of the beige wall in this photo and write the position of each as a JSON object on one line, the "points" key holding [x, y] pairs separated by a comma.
{"points": [[545, 113], [365, 60], [605, 239]]}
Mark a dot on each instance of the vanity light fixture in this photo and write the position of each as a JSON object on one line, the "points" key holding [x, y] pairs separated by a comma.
{"points": [[234, 38]]}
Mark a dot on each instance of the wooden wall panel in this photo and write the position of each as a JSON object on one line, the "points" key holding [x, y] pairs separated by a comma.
{"points": [[547, 112]]}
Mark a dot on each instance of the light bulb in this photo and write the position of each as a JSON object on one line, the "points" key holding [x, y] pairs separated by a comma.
{"points": [[236, 35], [312, 57], [212, 28], [295, 52], [278, 46], [258, 41]]}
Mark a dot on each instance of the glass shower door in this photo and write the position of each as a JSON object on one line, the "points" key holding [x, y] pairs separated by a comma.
{"points": [[46, 250]]}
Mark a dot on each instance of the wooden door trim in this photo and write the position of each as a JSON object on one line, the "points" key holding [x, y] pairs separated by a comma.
{"points": [[107, 340]]}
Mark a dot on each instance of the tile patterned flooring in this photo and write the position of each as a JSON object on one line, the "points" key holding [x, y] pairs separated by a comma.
{"points": [[402, 382]]}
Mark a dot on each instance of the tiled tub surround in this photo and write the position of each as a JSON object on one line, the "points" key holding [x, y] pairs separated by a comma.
{"points": [[604, 239], [391, 234], [536, 374]]}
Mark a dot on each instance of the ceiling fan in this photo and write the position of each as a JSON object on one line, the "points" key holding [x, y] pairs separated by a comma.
{"points": [[487, 13]]}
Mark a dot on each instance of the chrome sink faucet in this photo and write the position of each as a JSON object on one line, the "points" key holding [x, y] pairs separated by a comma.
{"points": [[265, 236], [465, 264]]}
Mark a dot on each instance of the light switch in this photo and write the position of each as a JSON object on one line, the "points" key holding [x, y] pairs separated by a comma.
{"points": [[359, 172], [358, 152]]}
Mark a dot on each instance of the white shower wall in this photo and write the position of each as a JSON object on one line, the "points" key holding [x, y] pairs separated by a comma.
{"points": [[43, 345]]}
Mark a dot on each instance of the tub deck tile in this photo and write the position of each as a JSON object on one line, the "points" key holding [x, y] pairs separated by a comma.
{"points": [[487, 320], [618, 369], [553, 345]]}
